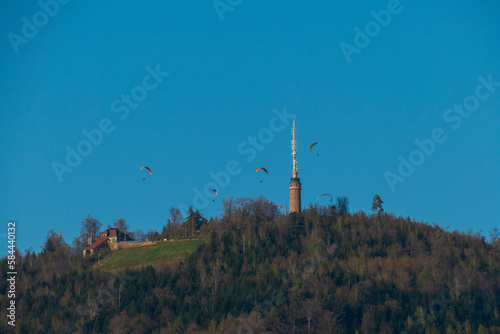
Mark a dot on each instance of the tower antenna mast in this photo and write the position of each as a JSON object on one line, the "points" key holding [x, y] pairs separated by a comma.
{"points": [[295, 185], [294, 148]]}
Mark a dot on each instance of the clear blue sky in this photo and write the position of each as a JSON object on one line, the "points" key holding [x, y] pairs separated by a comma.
{"points": [[225, 78]]}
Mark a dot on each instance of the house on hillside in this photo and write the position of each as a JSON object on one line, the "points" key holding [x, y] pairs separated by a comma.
{"points": [[106, 239]]}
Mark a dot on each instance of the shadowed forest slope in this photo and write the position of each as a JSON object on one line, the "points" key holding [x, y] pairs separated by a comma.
{"points": [[258, 270]]}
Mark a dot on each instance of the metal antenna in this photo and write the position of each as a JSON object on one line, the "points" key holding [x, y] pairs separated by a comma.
{"points": [[294, 147]]}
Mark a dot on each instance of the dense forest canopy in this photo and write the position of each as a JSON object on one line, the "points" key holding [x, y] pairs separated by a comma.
{"points": [[322, 271]]}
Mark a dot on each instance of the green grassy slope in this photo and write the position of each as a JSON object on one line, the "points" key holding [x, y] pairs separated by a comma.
{"points": [[157, 254]]}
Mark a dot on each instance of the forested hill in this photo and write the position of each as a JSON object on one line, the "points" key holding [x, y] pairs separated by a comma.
{"points": [[258, 271]]}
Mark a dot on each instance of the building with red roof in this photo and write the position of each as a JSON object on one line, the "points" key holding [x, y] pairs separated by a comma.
{"points": [[104, 240]]}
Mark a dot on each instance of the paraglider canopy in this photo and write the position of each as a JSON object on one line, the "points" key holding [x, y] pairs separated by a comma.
{"points": [[214, 191], [331, 197], [147, 169], [316, 143], [265, 170], [275, 206]]}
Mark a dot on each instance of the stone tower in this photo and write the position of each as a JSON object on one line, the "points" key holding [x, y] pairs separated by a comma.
{"points": [[295, 185]]}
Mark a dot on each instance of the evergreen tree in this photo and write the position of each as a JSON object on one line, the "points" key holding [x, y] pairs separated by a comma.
{"points": [[377, 204]]}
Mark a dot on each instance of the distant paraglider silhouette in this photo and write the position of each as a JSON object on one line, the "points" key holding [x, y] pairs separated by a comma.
{"points": [[148, 170], [314, 144], [331, 197], [265, 170]]}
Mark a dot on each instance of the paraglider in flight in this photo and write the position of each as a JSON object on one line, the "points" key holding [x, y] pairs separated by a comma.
{"points": [[316, 143], [215, 193], [275, 206], [331, 197], [265, 170], [147, 169]]}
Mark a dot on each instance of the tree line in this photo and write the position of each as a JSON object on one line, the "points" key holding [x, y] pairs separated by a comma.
{"points": [[258, 270]]}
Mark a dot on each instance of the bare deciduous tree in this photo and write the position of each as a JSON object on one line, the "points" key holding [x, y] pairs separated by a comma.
{"points": [[119, 324], [89, 229], [139, 235], [174, 222], [122, 225], [311, 309], [342, 204], [494, 235]]}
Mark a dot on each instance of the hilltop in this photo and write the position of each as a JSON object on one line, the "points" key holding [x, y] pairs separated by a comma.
{"points": [[261, 271]]}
